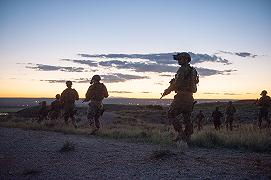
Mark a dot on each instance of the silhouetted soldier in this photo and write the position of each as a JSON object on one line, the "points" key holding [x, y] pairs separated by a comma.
{"points": [[229, 111], [184, 84], [199, 120], [43, 111], [264, 102], [95, 94], [56, 108], [217, 115], [68, 98]]}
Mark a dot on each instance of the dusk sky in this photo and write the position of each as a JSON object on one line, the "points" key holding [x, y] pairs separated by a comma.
{"points": [[130, 44]]}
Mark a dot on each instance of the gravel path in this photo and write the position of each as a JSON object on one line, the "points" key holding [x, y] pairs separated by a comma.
{"points": [[35, 155]]}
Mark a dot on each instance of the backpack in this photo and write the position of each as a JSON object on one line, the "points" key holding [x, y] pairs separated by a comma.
{"points": [[194, 80]]}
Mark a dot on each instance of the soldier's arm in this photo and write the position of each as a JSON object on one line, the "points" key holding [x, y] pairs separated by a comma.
{"points": [[171, 87], [76, 95], [62, 97], [105, 92]]}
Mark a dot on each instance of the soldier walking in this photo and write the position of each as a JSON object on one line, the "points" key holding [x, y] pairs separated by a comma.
{"points": [[229, 111], [199, 120], [217, 115], [264, 102], [55, 108], [95, 94], [68, 98], [184, 84]]}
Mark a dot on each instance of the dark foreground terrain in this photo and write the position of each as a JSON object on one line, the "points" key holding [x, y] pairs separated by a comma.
{"points": [[27, 154]]}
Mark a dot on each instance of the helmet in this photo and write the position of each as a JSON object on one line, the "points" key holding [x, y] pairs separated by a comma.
{"points": [[68, 83], [182, 54], [264, 92], [96, 78], [57, 96]]}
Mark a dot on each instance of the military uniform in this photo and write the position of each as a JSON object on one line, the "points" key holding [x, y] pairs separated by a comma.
{"points": [[68, 98], [229, 111], [55, 109], [264, 102], [95, 94], [199, 119], [217, 115], [183, 84]]}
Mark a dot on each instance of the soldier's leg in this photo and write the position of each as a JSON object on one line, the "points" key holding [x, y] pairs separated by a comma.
{"points": [[66, 114], [215, 124], [188, 130], [97, 122], [176, 124], [90, 114]]}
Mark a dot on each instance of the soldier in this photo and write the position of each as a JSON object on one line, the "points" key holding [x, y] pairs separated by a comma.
{"points": [[43, 111], [264, 102], [217, 115], [199, 120], [229, 111], [184, 84], [56, 108], [95, 94], [68, 98]]}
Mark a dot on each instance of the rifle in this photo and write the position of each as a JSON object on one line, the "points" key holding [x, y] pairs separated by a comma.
{"points": [[169, 89]]}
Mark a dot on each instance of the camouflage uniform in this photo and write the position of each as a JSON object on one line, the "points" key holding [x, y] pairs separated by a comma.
{"points": [[217, 115], [264, 102], [55, 109], [200, 116], [183, 101], [229, 111], [68, 97], [95, 94]]}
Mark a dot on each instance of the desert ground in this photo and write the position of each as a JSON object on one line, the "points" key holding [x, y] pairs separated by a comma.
{"points": [[26, 154], [135, 142]]}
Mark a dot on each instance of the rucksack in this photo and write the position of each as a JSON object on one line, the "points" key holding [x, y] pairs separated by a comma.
{"points": [[194, 80]]}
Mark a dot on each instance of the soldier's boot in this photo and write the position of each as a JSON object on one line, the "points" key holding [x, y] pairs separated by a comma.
{"points": [[178, 128]]}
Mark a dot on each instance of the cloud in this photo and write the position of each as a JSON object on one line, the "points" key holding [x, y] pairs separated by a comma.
{"points": [[161, 58], [109, 78], [145, 92], [54, 81], [139, 66], [203, 72], [232, 94], [44, 67], [241, 54], [85, 62], [211, 93], [120, 92], [118, 77]]}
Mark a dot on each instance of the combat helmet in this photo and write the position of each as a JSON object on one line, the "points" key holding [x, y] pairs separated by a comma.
{"points": [[264, 92], [95, 78], [68, 83], [182, 54]]}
